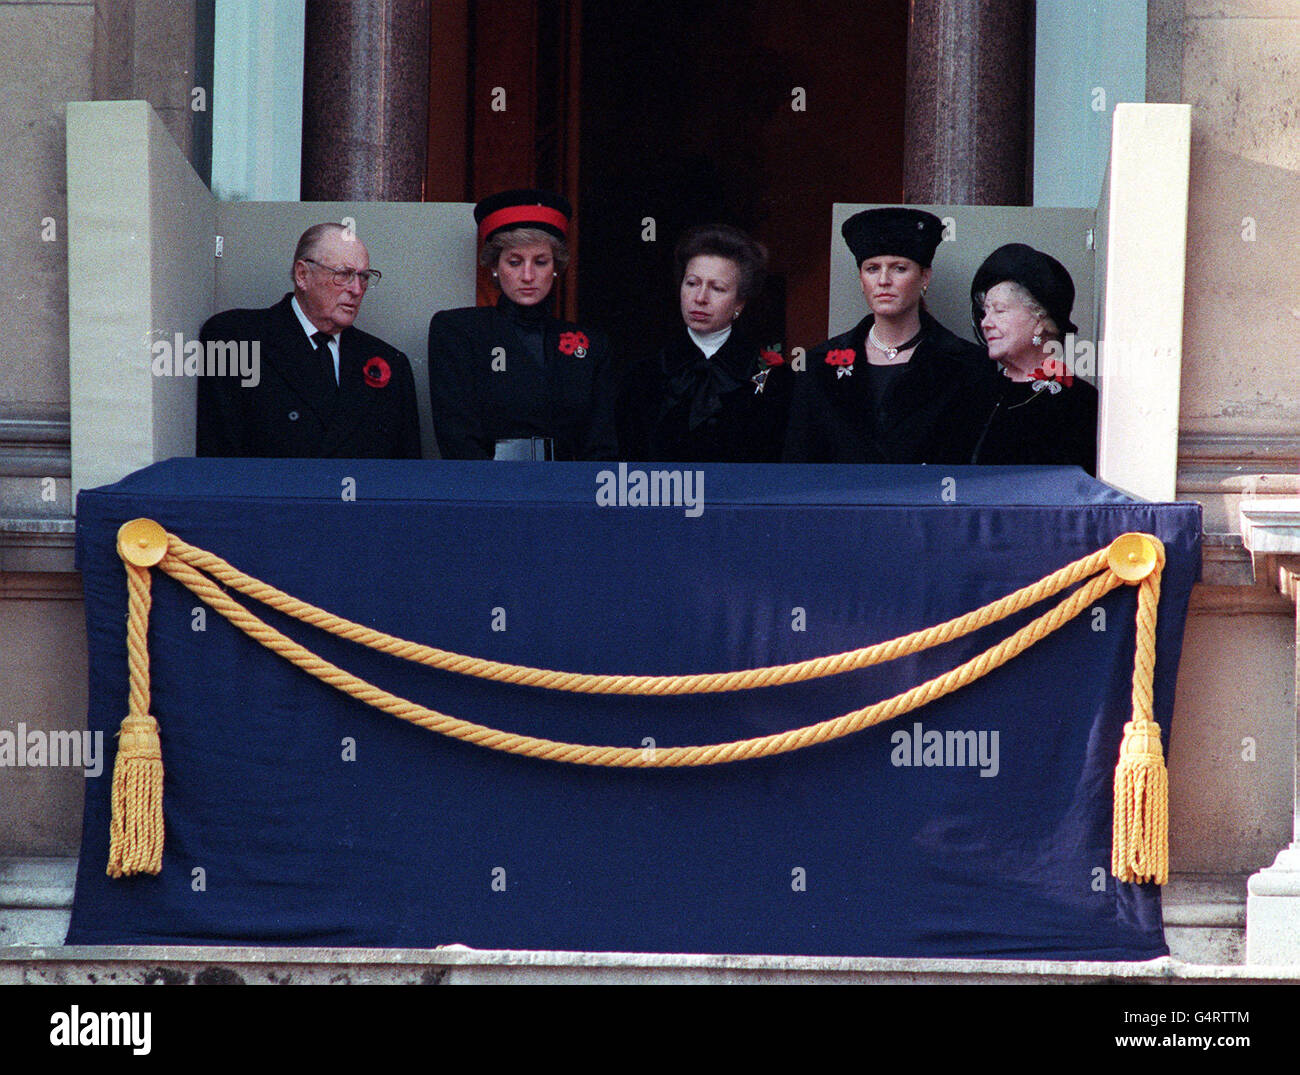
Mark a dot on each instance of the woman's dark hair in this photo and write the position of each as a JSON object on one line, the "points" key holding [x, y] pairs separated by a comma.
{"points": [[724, 241], [507, 238]]}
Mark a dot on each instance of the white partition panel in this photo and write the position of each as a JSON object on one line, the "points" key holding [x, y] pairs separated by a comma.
{"points": [[182, 212], [144, 275], [1144, 206], [1128, 262], [972, 232], [140, 225]]}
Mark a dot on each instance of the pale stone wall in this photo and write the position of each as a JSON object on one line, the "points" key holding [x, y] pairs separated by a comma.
{"points": [[34, 289], [43, 685], [1240, 389], [52, 53], [1233, 740], [1236, 63], [46, 60]]}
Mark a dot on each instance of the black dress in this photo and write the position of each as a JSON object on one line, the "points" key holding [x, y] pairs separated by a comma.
{"points": [[930, 411], [730, 407], [508, 371], [1042, 422]]}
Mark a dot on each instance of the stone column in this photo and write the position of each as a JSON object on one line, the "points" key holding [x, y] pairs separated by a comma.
{"points": [[365, 101], [1271, 531], [969, 75]]}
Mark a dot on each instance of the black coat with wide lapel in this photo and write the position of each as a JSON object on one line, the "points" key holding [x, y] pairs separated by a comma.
{"points": [[932, 412], [730, 407], [296, 410], [485, 385]]}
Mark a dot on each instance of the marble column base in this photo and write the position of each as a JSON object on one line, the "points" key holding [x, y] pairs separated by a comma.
{"points": [[1273, 911]]}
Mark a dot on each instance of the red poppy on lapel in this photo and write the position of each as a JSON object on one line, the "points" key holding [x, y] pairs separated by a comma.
{"points": [[772, 358], [377, 372], [1053, 369], [574, 343], [843, 359]]}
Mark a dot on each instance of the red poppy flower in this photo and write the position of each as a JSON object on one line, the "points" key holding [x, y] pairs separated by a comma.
{"points": [[377, 372], [772, 358], [843, 357], [1053, 369], [574, 343]]}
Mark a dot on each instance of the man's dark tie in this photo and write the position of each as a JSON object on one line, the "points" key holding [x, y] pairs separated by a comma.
{"points": [[322, 342]]}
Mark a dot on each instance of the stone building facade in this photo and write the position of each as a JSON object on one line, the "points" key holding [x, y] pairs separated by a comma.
{"points": [[1232, 760]]}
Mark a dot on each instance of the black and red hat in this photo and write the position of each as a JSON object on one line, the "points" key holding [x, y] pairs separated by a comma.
{"points": [[523, 209]]}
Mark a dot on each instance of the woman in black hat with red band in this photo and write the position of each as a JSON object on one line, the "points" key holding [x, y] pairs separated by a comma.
{"points": [[512, 381], [1021, 300], [896, 388]]}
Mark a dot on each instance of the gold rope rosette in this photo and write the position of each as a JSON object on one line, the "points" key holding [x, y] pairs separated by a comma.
{"points": [[1140, 838]]}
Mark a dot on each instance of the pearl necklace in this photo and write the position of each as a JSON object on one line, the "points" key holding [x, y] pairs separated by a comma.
{"points": [[892, 352]]}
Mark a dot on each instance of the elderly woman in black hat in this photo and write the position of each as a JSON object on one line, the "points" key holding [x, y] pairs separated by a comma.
{"points": [[896, 388], [712, 394], [512, 381], [1021, 300]]}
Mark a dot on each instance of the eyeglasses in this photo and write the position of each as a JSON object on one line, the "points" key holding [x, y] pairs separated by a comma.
{"points": [[344, 277]]}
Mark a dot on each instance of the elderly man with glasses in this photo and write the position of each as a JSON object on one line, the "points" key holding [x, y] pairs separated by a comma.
{"points": [[324, 388]]}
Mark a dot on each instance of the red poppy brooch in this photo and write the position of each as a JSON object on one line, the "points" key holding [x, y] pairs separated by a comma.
{"points": [[377, 372], [574, 343], [770, 357], [843, 361]]}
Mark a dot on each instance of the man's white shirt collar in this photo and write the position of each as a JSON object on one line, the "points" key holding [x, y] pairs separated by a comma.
{"points": [[311, 331]]}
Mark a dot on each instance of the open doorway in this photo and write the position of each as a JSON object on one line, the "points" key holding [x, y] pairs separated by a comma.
{"points": [[760, 115], [655, 115]]}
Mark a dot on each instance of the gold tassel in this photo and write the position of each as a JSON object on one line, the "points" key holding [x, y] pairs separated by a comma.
{"points": [[1140, 833], [1140, 822], [136, 831]]}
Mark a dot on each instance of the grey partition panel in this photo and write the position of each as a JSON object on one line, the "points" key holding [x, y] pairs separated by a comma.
{"points": [[972, 232], [425, 250]]}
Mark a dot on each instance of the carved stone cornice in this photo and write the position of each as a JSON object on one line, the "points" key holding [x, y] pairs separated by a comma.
{"points": [[1228, 585], [1263, 451], [1270, 532], [36, 545], [35, 447], [1220, 469], [1238, 464]]}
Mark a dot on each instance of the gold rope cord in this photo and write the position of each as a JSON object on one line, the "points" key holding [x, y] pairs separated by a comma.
{"points": [[1141, 817], [638, 757], [696, 683]]}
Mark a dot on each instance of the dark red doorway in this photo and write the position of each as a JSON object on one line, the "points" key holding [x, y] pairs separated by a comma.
{"points": [[663, 114], [760, 114]]}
